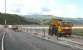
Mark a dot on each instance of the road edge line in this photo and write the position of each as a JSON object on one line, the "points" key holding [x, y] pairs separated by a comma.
{"points": [[2, 41]]}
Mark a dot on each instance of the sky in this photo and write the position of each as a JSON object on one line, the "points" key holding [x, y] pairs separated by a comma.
{"points": [[60, 8]]}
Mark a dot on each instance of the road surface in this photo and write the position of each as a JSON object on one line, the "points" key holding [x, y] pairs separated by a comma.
{"points": [[25, 41]]}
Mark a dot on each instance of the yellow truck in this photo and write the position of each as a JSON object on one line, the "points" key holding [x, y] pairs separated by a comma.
{"points": [[58, 27]]}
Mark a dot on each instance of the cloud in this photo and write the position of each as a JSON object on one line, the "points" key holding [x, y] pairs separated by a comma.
{"points": [[25, 6], [49, 7], [68, 10], [2, 6]]}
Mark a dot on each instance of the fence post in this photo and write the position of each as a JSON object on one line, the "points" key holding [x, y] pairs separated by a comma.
{"points": [[43, 32]]}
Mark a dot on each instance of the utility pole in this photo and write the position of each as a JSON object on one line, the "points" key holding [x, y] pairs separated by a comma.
{"points": [[5, 21], [2, 44], [5, 13]]}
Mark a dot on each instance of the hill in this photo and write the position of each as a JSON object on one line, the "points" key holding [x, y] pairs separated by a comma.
{"points": [[35, 19], [45, 19], [12, 19]]}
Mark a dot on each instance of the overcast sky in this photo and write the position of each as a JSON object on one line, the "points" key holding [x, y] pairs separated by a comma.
{"points": [[62, 8]]}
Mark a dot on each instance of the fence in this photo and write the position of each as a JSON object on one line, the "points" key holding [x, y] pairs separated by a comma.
{"points": [[43, 30]]}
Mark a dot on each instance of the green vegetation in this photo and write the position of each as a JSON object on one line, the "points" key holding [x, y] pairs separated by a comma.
{"points": [[34, 19], [78, 32], [45, 19], [11, 19]]}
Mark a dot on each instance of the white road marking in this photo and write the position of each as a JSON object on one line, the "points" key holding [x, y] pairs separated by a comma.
{"points": [[2, 44]]}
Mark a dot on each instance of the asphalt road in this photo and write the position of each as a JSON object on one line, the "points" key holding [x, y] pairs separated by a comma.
{"points": [[25, 41], [1, 34]]}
